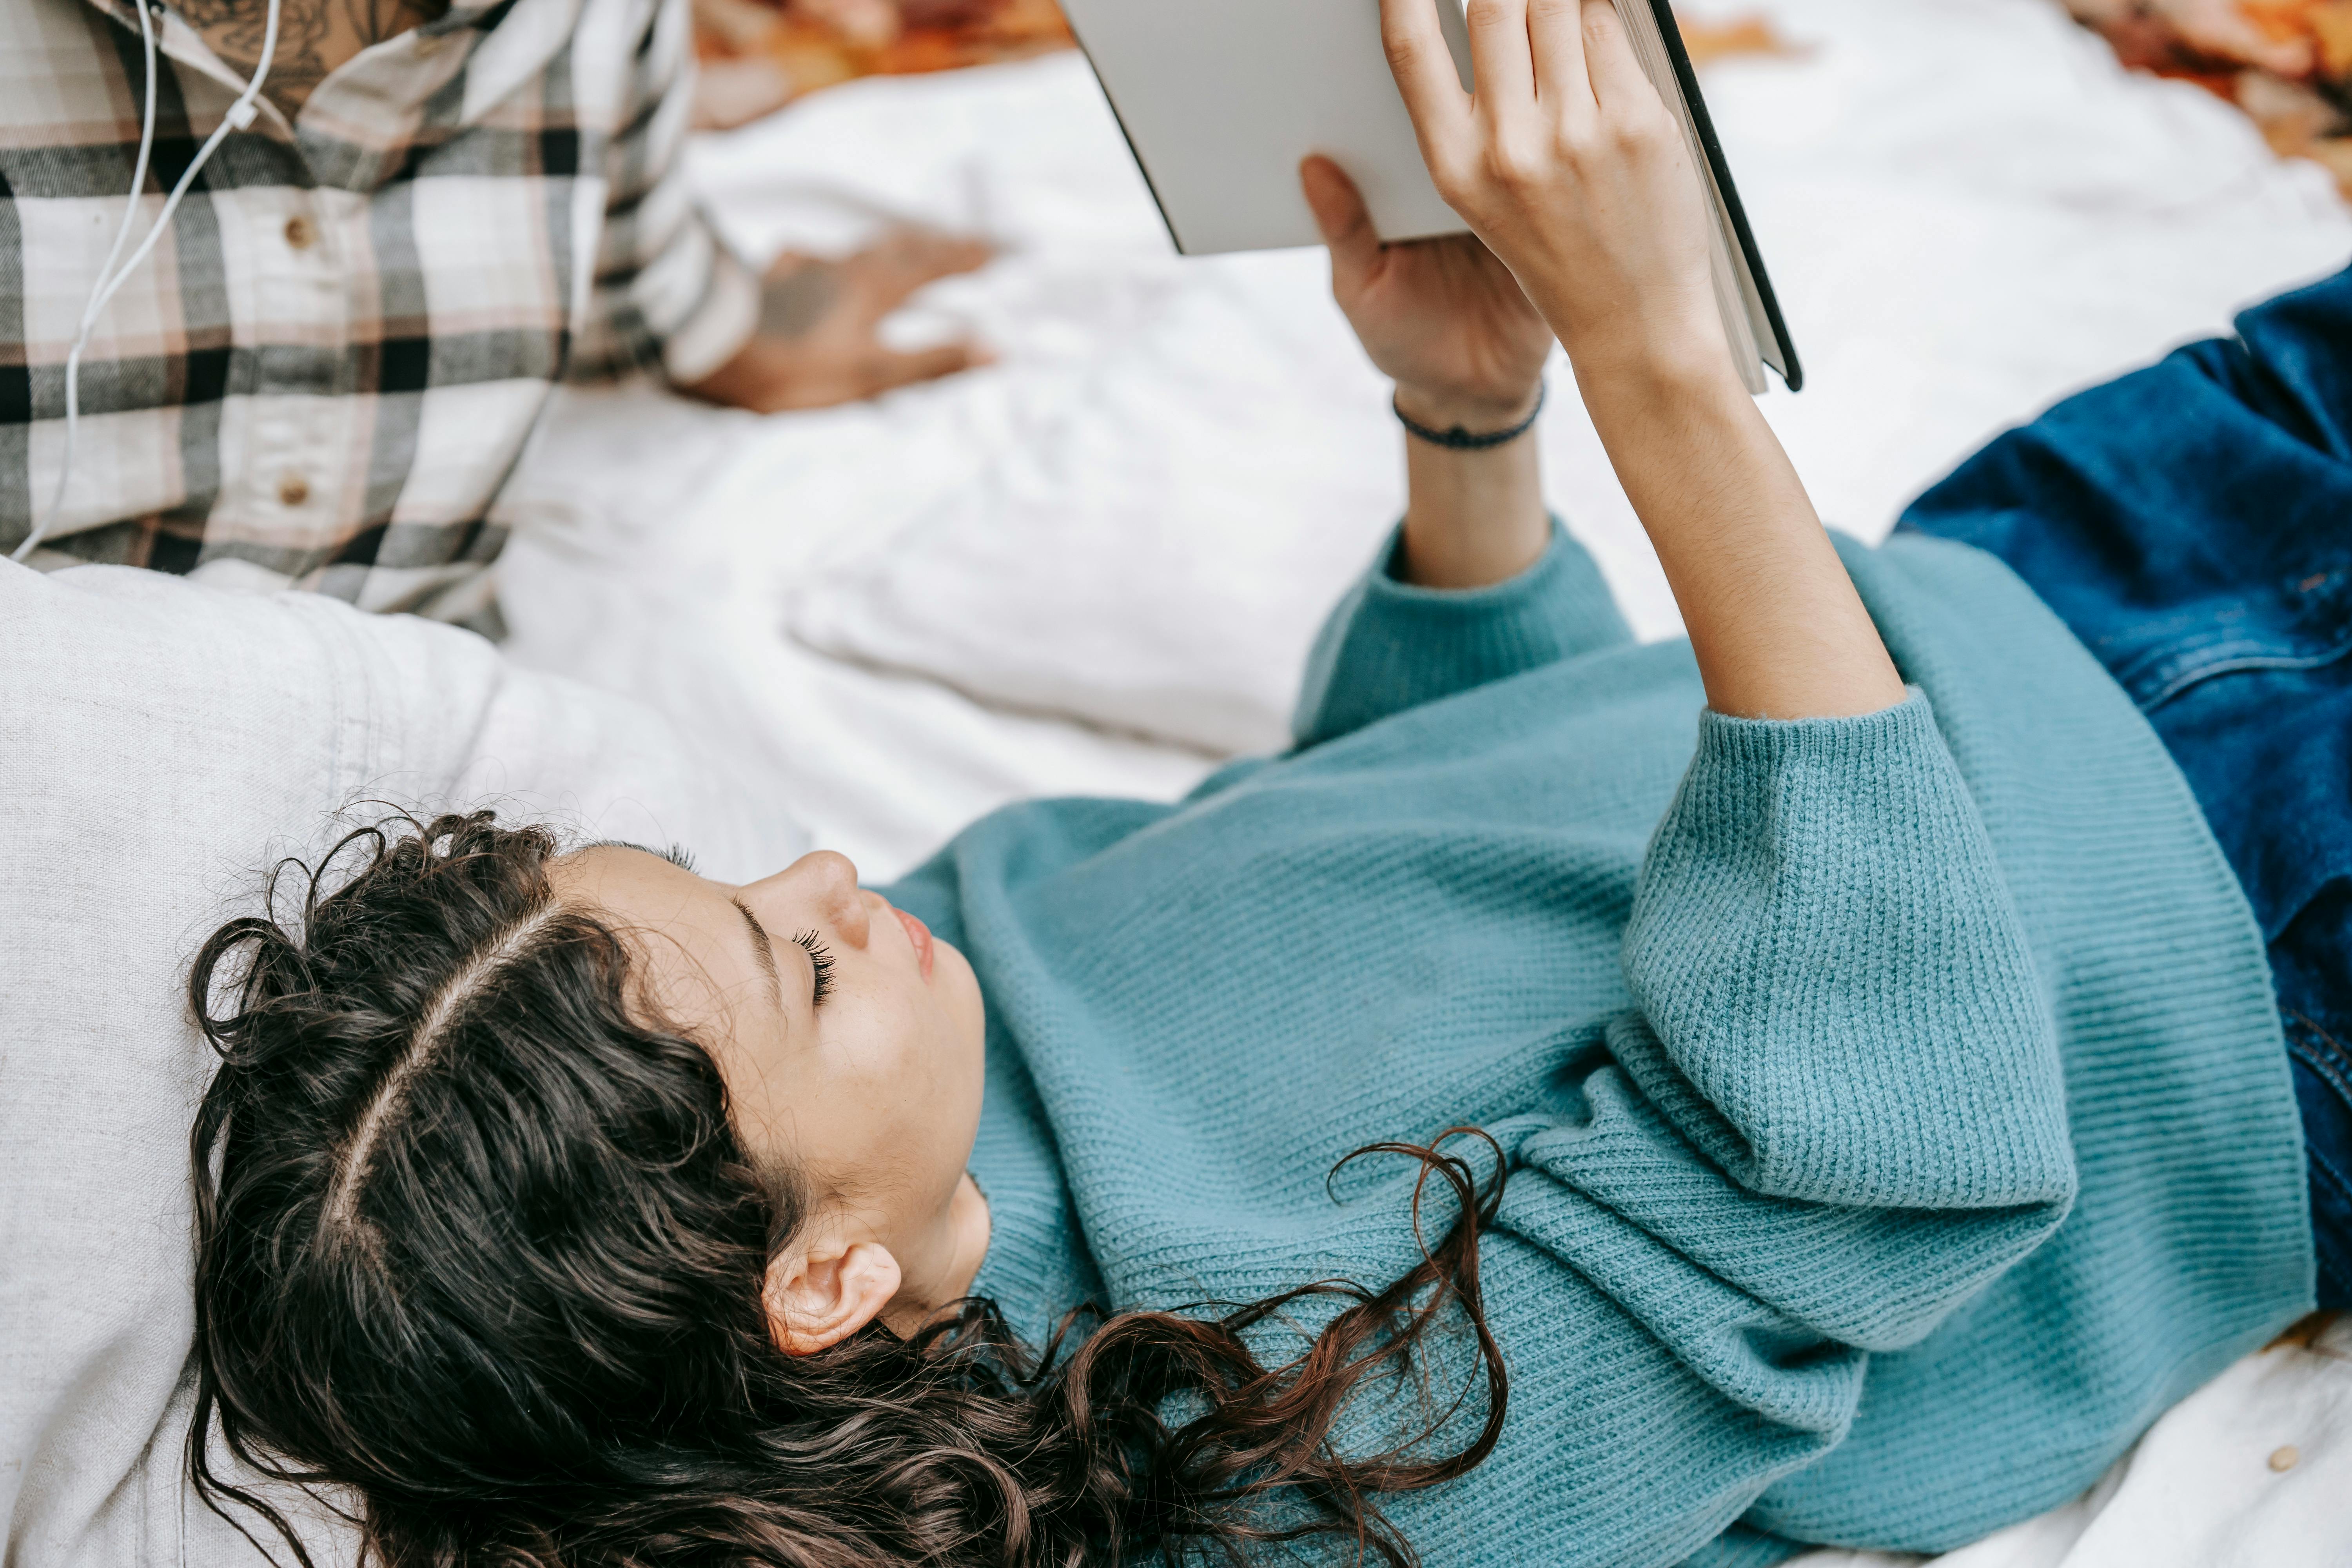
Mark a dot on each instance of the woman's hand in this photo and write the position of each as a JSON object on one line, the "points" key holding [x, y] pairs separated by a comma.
{"points": [[1440, 318], [1445, 321], [1568, 164]]}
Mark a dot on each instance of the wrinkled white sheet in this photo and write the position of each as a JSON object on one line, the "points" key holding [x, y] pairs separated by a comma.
{"points": [[1137, 520]]}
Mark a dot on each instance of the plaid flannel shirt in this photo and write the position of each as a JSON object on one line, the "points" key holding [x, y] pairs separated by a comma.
{"points": [[329, 366]]}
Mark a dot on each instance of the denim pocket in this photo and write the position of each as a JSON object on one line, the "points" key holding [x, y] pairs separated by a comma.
{"points": [[2301, 624]]}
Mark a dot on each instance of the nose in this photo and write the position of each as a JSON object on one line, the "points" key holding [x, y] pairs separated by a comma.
{"points": [[822, 886]]}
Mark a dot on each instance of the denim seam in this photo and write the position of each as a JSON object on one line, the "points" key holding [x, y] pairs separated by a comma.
{"points": [[2311, 1044], [2322, 1167], [2209, 666], [2305, 1043]]}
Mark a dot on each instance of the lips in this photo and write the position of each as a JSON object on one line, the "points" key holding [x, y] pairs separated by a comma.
{"points": [[919, 936]]}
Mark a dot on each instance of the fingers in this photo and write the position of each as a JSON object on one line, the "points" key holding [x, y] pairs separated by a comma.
{"points": [[1619, 84], [942, 255], [887, 371], [1345, 222], [1500, 63], [905, 260], [1556, 39], [1425, 74]]}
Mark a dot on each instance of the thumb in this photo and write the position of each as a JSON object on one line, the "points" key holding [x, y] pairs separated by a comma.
{"points": [[1345, 222]]}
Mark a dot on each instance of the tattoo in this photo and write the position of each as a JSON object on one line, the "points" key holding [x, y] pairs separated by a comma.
{"points": [[791, 306], [314, 37]]}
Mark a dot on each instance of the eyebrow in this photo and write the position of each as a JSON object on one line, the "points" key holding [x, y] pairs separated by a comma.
{"points": [[676, 855], [765, 948]]}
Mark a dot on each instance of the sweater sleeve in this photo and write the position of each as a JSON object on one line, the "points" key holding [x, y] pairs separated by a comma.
{"points": [[1832, 1115], [1390, 646], [1839, 1091]]}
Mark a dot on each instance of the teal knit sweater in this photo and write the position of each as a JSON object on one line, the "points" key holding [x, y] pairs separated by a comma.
{"points": [[1894, 1110]]}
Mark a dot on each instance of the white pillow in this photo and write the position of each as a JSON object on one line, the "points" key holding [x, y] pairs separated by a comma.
{"points": [[1138, 520], [159, 742]]}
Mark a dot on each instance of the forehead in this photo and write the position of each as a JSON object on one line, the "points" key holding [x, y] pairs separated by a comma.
{"points": [[692, 950], [623, 878]]}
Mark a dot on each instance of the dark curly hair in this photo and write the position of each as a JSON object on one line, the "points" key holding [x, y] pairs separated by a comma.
{"points": [[477, 1241]]}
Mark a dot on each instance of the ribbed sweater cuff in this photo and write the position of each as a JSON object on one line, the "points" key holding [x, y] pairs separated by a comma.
{"points": [[1727, 741], [1392, 646]]}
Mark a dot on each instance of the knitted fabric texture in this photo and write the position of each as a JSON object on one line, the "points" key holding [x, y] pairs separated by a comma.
{"points": [[1895, 1115]]}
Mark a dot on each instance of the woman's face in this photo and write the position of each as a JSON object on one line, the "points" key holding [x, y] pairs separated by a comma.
{"points": [[850, 1041]]}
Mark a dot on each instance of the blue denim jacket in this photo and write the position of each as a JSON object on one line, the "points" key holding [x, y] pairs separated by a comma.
{"points": [[2192, 522]]}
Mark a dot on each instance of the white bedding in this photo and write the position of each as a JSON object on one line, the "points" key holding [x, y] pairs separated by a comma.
{"points": [[1095, 568]]}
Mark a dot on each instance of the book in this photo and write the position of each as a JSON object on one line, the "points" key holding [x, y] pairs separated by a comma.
{"points": [[1220, 99]]}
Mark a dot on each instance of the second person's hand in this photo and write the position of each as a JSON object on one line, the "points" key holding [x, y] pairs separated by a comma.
{"points": [[819, 339]]}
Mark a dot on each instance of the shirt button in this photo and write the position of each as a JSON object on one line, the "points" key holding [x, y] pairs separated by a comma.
{"points": [[2286, 1458], [293, 489], [300, 234]]}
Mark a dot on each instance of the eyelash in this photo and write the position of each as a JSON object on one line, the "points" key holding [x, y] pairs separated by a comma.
{"points": [[679, 856], [821, 963]]}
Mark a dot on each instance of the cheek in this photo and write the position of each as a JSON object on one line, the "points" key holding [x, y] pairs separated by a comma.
{"points": [[951, 1065], [966, 1023], [964, 1042], [919, 1069]]}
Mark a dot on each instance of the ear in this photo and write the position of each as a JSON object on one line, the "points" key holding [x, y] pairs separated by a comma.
{"points": [[821, 1296]]}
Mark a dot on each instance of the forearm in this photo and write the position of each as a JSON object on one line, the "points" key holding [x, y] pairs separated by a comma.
{"points": [[1778, 628], [1472, 518], [1567, 163]]}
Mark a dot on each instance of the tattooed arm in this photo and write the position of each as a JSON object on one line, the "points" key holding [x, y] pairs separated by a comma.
{"points": [[804, 337], [817, 342], [667, 292]]}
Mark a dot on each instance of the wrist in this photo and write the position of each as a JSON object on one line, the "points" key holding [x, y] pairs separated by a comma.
{"points": [[1693, 362], [1702, 385], [1473, 515], [1478, 413]]}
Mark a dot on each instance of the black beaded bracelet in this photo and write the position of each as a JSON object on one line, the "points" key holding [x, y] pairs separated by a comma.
{"points": [[1460, 440]]}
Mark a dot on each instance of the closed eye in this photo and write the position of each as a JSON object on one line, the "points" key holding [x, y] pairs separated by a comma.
{"points": [[821, 966]]}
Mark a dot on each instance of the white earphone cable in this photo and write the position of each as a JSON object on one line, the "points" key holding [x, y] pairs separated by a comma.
{"points": [[110, 279]]}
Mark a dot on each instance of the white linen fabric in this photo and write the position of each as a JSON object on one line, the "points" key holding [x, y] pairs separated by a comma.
{"points": [[1968, 207], [159, 742]]}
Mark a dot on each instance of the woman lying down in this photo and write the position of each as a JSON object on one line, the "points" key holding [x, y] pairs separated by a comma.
{"points": [[1494, 1131]]}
